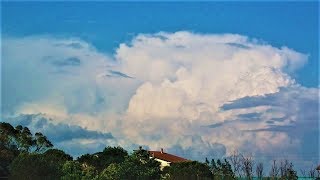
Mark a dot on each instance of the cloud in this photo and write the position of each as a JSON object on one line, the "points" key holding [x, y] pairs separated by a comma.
{"points": [[62, 79], [190, 82], [57, 131], [61, 134], [71, 61], [197, 95], [117, 74]]}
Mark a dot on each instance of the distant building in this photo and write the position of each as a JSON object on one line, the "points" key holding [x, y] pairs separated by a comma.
{"points": [[166, 159], [318, 168]]}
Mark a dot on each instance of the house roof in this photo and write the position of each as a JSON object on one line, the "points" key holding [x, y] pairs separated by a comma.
{"points": [[167, 157]]}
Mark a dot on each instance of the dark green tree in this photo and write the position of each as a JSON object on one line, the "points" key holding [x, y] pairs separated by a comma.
{"points": [[75, 171], [188, 171], [20, 138], [8, 148], [222, 170], [6, 157], [41, 142], [7, 136], [102, 160], [87, 159], [114, 154], [14, 141], [34, 166], [139, 165], [23, 138], [112, 172], [57, 155]]}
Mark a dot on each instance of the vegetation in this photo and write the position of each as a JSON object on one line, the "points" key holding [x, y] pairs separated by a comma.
{"points": [[27, 156], [34, 166], [188, 170]]}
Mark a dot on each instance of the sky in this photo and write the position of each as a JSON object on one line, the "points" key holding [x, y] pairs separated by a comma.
{"points": [[197, 79]]}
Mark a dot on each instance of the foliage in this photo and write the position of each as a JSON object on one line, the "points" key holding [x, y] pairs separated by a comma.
{"points": [[221, 170], [103, 159], [27, 156], [112, 172], [14, 141], [41, 142], [6, 157], [57, 155], [34, 166], [140, 166], [188, 170], [7, 133], [87, 159], [21, 139], [75, 171], [71, 170]]}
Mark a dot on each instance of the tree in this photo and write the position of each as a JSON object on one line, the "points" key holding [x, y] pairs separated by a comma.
{"points": [[139, 165], [235, 160], [75, 171], [14, 141], [259, 170], [221, 170], [112, 172], [284, 165], [247, 166], [141, 154], [8, 148], [89, 172], [7, 136], [87, 159], [291, 173], [57, 155], [188, 170], [103, 159], [274, 171], [312, 172], [20, 138], [114, 154], [41, 142], [34, 166], [111, 155], [6, 157], [23, 138], [71, 170], [287, 171]]}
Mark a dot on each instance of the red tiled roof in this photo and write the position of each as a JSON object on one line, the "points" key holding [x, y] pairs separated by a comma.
{"points": [[167, 157]]}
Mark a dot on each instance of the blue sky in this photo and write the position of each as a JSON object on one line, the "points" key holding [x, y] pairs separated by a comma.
{"points": [[245, 73]]}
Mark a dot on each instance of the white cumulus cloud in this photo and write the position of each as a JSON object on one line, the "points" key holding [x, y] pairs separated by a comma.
{"points": [[187, 77], [198, 95]]}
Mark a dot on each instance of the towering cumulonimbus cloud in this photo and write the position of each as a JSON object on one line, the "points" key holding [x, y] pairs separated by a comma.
{"points": [[196, 95], [188, 77]]}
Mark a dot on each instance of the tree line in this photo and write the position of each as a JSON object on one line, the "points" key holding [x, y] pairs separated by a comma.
{"points": [[24, 155]]}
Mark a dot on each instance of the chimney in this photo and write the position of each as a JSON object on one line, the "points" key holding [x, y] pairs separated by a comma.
{"points": [[162, 151]]}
